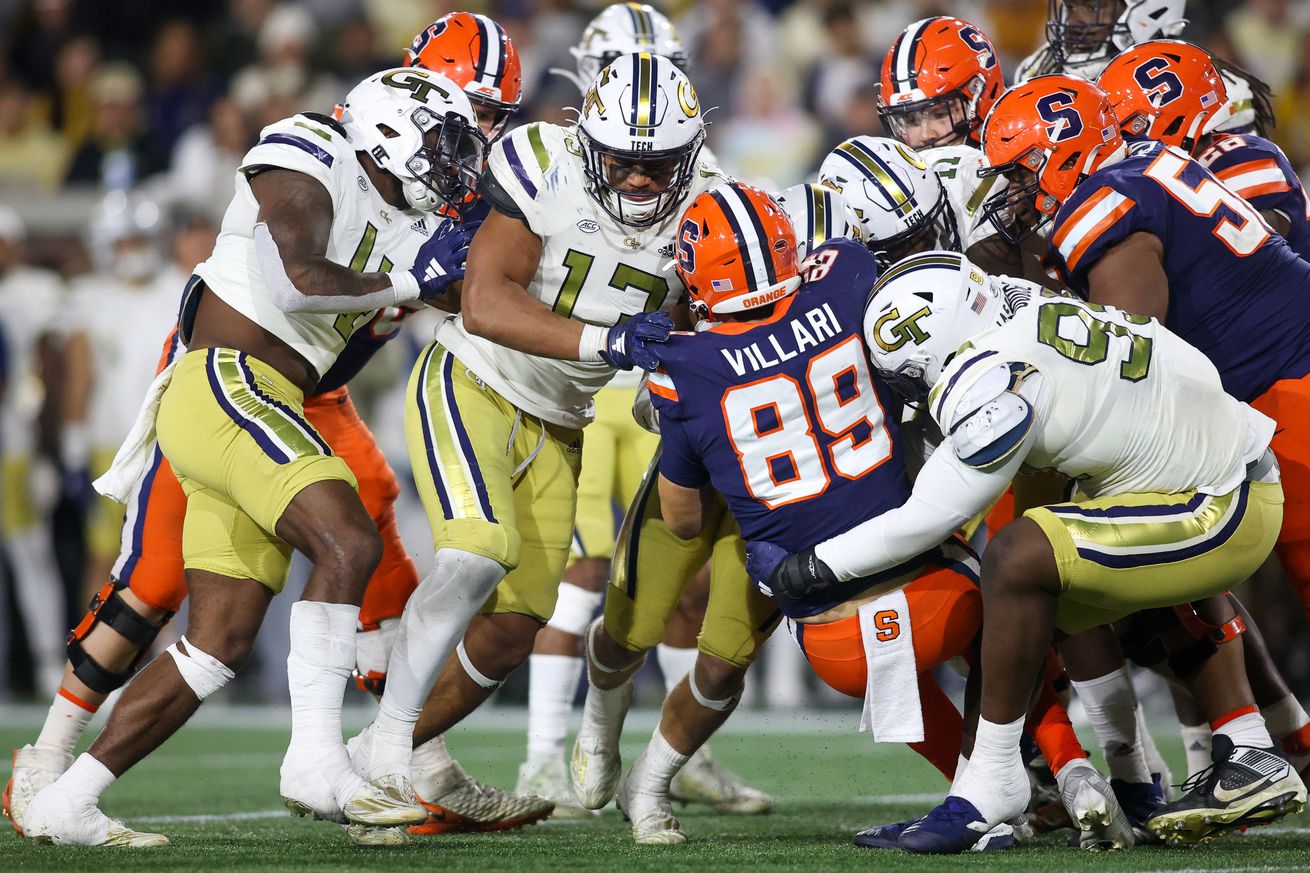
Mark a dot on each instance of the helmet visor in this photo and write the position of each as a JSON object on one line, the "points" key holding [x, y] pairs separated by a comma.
{"points": [[937, 121], [640, 188]]}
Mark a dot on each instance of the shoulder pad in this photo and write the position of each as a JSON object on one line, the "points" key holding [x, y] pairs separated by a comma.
{"points": [[302, 143], [991, 419], [327, 121], [521, 159]]}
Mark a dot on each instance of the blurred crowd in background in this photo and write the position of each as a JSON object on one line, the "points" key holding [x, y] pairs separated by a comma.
{"points": [[122, 124]]}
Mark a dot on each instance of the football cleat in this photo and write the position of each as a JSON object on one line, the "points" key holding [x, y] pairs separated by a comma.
{"points": [[548, 779], [595, 766], [704, 780], [886, 836], [1045, 811], [55, 816], [951, 827], [33, 770], [1140, 801], [373, 837], [1245, 786], [460, 804], [651, 815], [1093, 808]]}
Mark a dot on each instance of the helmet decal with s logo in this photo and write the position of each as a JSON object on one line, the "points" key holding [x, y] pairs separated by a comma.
{"points": [[1062, 119], [1160, 84]]}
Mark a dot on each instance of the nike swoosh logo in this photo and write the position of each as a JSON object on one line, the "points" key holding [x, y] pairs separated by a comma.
{"points": [[1226, 796]]}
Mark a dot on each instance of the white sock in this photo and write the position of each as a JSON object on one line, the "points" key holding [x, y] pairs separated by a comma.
{"points": [[960, 766], [1247, 730], [1155, 762], [1196, 744], [434, 621], [1111, 706], [552, 684], [318, 668], [431, 768], [656, 766], [675, 662], [1287, 716], [995, 779], [64, 725], [86, 779]]}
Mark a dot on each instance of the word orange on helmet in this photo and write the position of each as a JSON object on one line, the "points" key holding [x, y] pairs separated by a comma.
{"points": [[1060, 128], [736, 250], [474, 52], [941, 66], [1166, 90]]}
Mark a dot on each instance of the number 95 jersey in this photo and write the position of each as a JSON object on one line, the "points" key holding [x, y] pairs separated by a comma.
{"points": [[1236, 290], [783, 416], [592, 269]]}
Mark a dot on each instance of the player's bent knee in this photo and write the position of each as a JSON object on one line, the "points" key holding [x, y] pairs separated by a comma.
{"points": [[202, 672], [1021, 556], [716, 684]]}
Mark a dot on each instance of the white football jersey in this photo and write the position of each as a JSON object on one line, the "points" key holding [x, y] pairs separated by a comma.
{"points": [[368, 234], [592, 269], [1041, 63], [125, 348], [957, 166], [1125, 404], [31, 305]]}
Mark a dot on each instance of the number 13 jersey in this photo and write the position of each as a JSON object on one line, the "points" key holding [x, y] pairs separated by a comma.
{"points": [[1236, 290], [592, 269]]}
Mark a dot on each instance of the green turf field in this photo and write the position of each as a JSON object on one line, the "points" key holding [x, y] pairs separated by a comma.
{"points": [[213, 790]]}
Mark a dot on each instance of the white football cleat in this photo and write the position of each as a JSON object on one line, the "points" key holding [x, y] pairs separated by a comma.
{"points": [[56, 816], [1093, 807], [547, 778], [653, 821], [704, 780], [33, 770], [371, 837], [596, 765]]}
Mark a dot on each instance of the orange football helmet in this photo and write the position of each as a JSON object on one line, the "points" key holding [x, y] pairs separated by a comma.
{"points": [[1165, 89], [941, 67], [474, 52], [1045, 136], [736, 250]]}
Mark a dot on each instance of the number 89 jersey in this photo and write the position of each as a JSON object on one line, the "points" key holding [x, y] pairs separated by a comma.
{"points": [[1236, 290], [592, 269], [783, 416]]}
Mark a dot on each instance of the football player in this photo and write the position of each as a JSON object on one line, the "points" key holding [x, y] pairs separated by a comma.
{"points": [[567, 284], [1013, 379], [318, 202], [734, 401], [147, 584]]}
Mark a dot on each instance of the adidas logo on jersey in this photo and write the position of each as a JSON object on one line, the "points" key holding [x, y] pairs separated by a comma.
{"points": [[666, 251], [420, 226]]}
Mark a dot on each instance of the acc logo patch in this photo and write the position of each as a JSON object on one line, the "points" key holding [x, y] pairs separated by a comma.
{"points": [[588, 225]]}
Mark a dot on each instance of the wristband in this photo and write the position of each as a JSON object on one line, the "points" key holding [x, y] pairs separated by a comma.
{"points": [[592, 343], [405, 287]]}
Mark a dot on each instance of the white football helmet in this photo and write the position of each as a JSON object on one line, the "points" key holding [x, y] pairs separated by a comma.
{"points": [[1106, 27], [818, 214], [641, 117], [922, 310], [900, 201], [623, 28], [124, 216], [420, 127]]}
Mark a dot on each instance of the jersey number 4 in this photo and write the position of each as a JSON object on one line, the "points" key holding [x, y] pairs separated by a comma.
{"points": [[773, 433]]}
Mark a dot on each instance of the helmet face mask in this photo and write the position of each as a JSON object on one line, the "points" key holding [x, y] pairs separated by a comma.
{"points": [[640, 133], [937, 121], [1081, 30], [1016, 210], [450, 166]]}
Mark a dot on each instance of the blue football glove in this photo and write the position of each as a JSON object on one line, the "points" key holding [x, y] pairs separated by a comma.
{"points": [[786, 578], [629, 343], [761, 560], [440, 261]]}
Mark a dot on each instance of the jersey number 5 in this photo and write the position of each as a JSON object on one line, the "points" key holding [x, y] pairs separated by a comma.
{"points": [[773, 435], [1242, 236]]}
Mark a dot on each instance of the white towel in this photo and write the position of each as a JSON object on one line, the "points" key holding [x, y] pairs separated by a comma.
{"points": [[892, 710], [134, 455]]}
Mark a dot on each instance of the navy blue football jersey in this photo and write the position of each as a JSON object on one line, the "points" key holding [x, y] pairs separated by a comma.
{"points": [[784, 416], [1237, 291], [1258, 171]]}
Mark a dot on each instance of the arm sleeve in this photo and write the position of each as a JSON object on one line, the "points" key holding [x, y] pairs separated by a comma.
{"points": [[679, 462], [288, 298], [947, 493]]}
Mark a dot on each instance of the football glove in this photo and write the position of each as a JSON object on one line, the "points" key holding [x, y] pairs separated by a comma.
{"points": [[440, 261], [628, 343], [788, 578]]}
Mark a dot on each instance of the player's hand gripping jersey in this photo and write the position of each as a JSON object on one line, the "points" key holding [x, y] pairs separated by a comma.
{"points": [[1257, 170], [592, 268], [783, 416], [368, 234], [1236, 289]]}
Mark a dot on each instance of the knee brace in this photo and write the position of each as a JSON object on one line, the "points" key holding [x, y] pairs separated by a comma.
{"points": [[1201, 638], [574, 609], [202, 672], [109, 608]]}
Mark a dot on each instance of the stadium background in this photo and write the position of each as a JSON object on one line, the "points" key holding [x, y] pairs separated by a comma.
{"points": [[161, 98]]}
